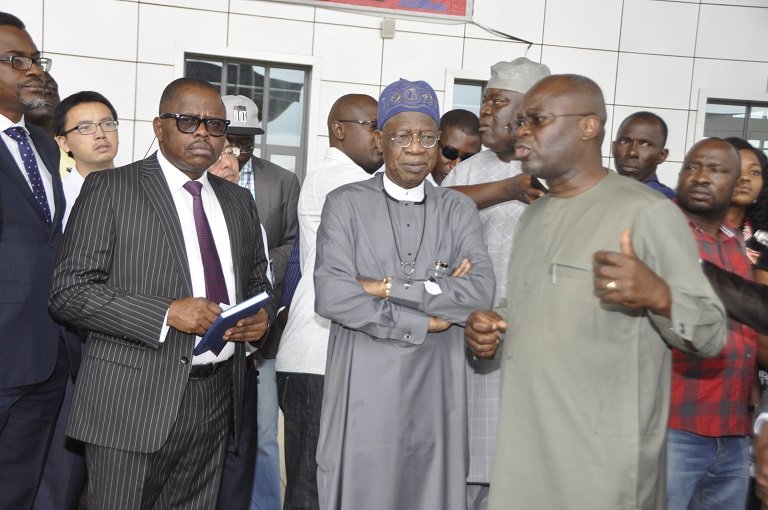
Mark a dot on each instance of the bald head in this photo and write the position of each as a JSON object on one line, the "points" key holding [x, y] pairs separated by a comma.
{"points": [[351, 124], [582, 95], [560, 130], [177, 87]]}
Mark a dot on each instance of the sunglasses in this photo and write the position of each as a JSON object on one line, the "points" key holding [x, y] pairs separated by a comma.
{"points": [[451, 153]]}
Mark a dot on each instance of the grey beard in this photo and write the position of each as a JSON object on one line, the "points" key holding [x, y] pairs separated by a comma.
{"points": [[32, 103]]}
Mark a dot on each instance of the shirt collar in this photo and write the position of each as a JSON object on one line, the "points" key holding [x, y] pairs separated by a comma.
{"points": [[5, 123], [176, 178], [399, 193], [724, 229]]}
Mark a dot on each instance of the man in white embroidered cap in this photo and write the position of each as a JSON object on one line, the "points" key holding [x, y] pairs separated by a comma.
{"points": [[400, 263]]}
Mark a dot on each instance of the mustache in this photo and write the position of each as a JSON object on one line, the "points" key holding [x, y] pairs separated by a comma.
{"points": [[32, 81]]}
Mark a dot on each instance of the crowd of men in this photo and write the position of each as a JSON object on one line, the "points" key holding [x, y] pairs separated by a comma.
{"points": [[448, 327]]}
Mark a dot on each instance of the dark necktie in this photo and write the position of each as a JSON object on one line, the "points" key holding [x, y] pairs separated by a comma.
{"points": [[33, 172], [215, 286]]}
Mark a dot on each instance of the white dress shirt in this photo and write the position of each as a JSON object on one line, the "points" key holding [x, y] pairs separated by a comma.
{"points": [[72, 183], [183, 201], [304, 343]]}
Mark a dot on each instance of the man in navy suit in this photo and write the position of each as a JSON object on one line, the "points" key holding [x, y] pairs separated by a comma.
{"points": [[35, 351]]}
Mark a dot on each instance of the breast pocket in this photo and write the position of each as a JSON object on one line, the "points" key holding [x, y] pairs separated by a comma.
{"points": [[114, 351]]}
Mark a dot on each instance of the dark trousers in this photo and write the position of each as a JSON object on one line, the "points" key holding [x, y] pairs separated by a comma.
{"points": [[240, 459], [185, 472], [27, 419], [64, 473], [300, 397]]}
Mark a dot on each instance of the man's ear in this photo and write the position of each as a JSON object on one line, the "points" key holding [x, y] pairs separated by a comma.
{"points": [[379, 140], [337, 128], [157, 127], [591, 127], [662, 156], [63, 145]]}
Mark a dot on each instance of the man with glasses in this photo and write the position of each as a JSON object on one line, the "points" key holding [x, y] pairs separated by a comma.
{"points": [[400, 263], [35, 348], [276, 191], [151, 251], [351, 157], [603, 280], [501, 101], [459, 141], [85, 125]]}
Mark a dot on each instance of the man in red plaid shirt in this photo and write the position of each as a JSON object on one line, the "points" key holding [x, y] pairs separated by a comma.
{"points": [[709, 425]]}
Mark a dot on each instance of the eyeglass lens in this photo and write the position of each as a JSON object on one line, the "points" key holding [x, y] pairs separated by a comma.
{"points": [[404, 138]]}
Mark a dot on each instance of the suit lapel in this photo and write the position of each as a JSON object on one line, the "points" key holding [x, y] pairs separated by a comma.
{"points": [[11, 169], [227, 201], [156, 187]]}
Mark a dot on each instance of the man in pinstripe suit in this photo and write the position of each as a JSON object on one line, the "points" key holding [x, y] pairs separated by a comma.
{"points": [[155, 417]]}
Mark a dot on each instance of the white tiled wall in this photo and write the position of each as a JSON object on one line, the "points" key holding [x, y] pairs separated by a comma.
{"points": [[646, 54]]}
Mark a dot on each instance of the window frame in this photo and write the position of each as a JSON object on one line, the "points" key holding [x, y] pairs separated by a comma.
{"points": [[312, 105], [735, 97]]}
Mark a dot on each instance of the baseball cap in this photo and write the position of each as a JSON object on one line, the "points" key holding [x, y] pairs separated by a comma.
{"points": [[243, 116]]}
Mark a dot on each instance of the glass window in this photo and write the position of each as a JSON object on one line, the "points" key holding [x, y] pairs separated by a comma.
{"points": [[743, 119], [468, 95], [279, 90]]}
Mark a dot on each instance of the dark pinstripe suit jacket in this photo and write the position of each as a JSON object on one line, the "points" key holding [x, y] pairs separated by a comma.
{"points": [[122, 262]]}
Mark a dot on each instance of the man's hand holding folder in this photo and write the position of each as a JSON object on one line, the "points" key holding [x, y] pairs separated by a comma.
{"points": [[244, 322]]}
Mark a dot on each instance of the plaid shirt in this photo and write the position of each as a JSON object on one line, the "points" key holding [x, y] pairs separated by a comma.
{"points": [[710, 395], [246, 178]]}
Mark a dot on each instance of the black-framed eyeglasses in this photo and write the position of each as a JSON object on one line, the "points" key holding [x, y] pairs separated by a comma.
{"points": [[189, 123], [538, 119], [367, 123], [89, 128], [22, 63], [403, 139], [452, 153]]}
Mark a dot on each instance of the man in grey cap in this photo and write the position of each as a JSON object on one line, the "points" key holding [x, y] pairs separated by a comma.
{"points": [[501, 101], [276, 191]]}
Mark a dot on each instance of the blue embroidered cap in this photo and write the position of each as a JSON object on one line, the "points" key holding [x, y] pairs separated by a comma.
{"points": [[407, 96]]}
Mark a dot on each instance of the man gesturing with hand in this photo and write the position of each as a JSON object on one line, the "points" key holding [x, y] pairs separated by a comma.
{"points": [[589, 318]]}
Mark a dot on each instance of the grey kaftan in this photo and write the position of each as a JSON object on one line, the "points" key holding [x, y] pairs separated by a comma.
{"points": [[393, 430], [585, 385]]}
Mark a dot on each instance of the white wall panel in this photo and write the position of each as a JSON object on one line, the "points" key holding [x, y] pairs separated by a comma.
{"points": [[270, 34], [357, 60], [161, 29], [583, 23], [420, 57], [733, 32], [653, 81], [273, 9], [665, 28]]}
